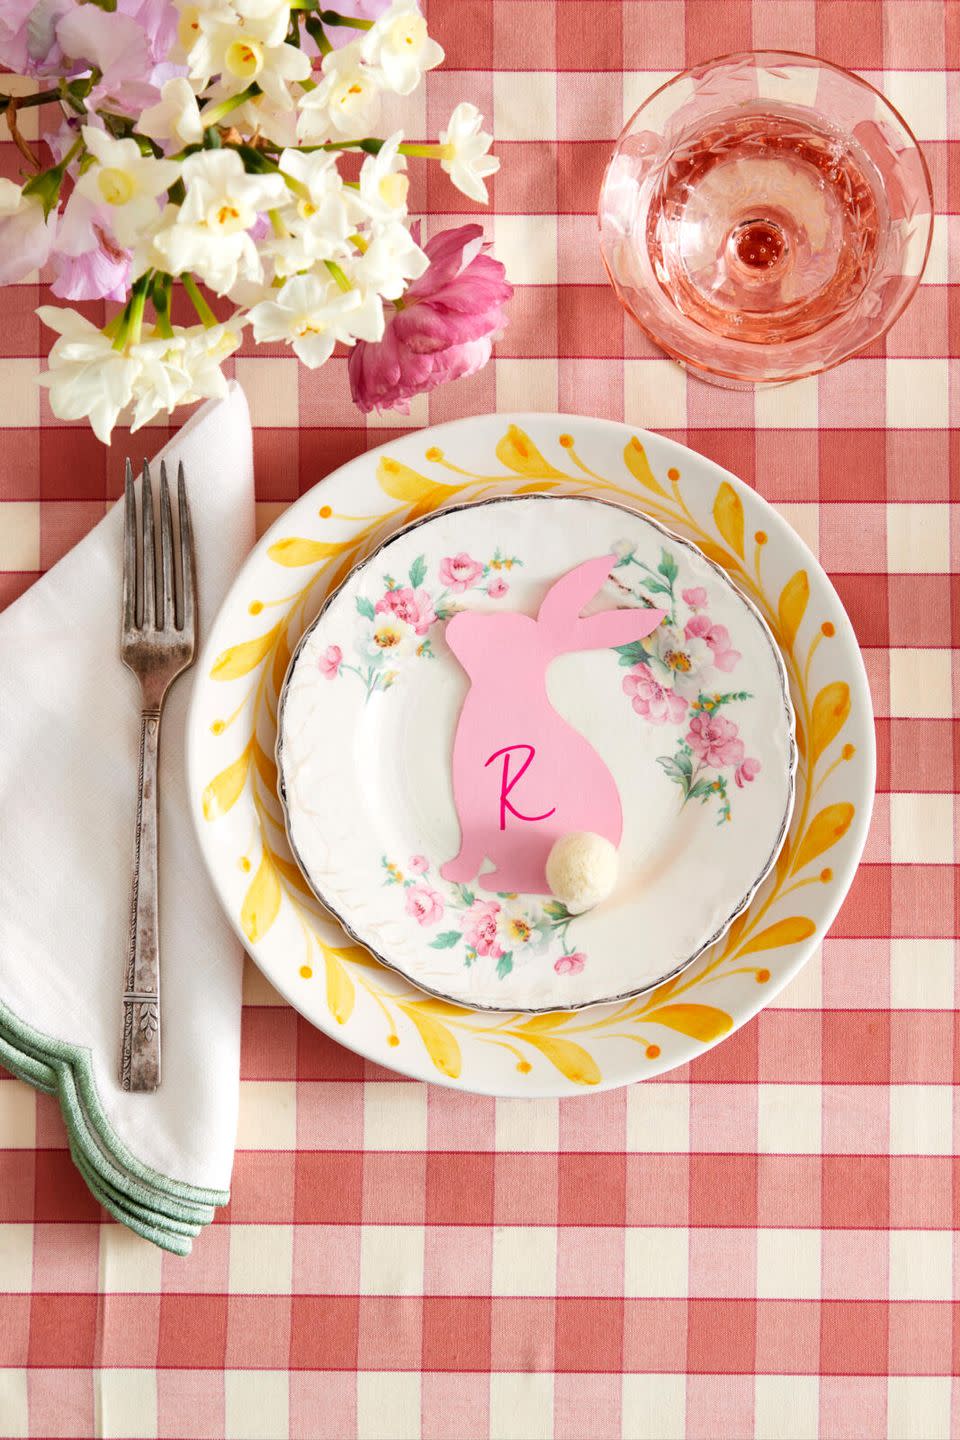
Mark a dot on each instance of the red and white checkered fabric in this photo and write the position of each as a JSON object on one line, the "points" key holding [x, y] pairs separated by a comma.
{"points": [[764, 1244]]}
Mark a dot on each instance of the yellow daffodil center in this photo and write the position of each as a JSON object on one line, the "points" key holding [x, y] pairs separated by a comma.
{"points": [[309, 325], [393, 190], [412, 30], [188, 28], [228, 216], [116, 186], [306, 209], [244, 58]]}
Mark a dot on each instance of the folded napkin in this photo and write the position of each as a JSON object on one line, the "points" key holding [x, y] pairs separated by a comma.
{"points": [[69, 735]]}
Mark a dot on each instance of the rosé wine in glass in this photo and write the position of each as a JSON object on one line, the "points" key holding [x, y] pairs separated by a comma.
{"points": [[765, 216]]}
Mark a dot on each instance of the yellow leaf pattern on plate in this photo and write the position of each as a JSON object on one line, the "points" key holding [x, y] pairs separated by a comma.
{"points": [[401, 483], [700, 1022], [517, 451], [294, 551], [728, 514], [341, 993], [793, 603], [830, 711], [261, 902], [785, 932], [635, 459], [225, 789], [825, 829], [240, 659], [265, 766], [569, 1058], [439, 1042]]}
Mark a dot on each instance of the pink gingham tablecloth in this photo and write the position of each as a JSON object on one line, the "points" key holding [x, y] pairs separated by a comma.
{"points": [[763, 1244]]}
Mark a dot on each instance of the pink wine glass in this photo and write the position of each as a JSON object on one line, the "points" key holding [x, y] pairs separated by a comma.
{"points": [[765, 216]]}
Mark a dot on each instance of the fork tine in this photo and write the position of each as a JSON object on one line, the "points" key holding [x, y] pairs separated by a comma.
{"points": [[188, 614], [129, 550], [166, 596], [148, 589]]}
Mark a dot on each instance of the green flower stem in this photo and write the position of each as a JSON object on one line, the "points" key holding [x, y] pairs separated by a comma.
{"points": [[427, 152], [371, 146], [197, 300], [338, 275], [138, 300], [160, 295], [112, 326], [333, 17], [276, 222], [213, 114], [316, 32], [26, 102], [46, 185]]}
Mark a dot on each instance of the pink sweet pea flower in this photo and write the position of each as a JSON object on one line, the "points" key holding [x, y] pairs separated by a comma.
{"points": [[424, 904], [695, 598], [570, 964], [444, 328], [413, 607], [747, 771], [651, 700], [481, 932], [497, 588], [28, 37], [715, 740], [725, 658], [458, 572], [330, 662], [418, 864], [100, 272]]}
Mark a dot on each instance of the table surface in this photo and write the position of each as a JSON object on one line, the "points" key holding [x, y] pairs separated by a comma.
{"points": [[762, 1244]]}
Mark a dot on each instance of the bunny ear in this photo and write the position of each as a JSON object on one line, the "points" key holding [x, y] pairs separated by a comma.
{"points": [[609, 628], [564, 600]]}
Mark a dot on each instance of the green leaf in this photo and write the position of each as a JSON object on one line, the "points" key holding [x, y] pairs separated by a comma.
{"points": [[701, 791], [655, 587], [417, 571], [556, 910], [504, 965], [467, 897], [632, 654], [668, 566], [365, 607], [446, 941]]}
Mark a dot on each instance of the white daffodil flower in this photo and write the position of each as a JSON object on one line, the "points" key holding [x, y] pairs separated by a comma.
{"points": [[26, 234], [209, 235], [125, 180], [260, 116], [181, 368], [242, 49], [391, 260], [463, 152], [86, 376], [399, 46], [382, 195], [317, 223], [346, 99], [176, 116], [312, 313]]}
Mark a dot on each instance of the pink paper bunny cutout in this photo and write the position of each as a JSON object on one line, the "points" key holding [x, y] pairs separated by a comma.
{"points": [[522, 776]]}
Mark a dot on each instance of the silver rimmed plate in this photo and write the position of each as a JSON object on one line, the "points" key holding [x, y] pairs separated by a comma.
{"points": [[694, 724]]}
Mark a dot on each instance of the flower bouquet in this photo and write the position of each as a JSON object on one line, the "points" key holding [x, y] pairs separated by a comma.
{"points": [[227, 145]]}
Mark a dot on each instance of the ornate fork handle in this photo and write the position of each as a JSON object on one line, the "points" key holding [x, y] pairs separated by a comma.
{"points": [[140, 1051]]}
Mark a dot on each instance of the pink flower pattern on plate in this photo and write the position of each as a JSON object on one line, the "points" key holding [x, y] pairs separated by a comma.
{"points": [[459, 572], [715, 740], [748, 770], [696, 598], [413, 607], [330, 662], [497, 588], [651, 700], [725, 658], [424, 904], [570, 964], [481, 930]]}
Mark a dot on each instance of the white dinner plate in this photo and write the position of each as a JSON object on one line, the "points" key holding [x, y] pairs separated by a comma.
{"points": [[690, 728], [334, 981]]}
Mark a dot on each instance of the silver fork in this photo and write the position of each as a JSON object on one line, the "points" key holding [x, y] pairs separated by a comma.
{"points": [[158, 642]]}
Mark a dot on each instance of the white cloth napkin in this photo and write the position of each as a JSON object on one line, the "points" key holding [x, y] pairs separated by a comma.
{"points": [[68, 774]]}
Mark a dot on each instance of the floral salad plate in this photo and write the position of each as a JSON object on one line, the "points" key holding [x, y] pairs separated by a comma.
{"points": [[691, 722]]}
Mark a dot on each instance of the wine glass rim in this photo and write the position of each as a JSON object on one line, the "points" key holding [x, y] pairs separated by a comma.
{"points": [[699, 366], [816, 60]]}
